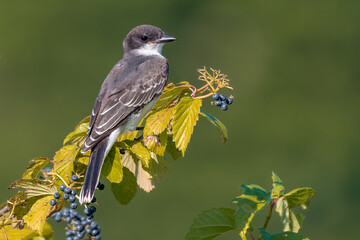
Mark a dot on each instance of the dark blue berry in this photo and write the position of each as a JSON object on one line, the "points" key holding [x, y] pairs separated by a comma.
{"points": [[81, 234], [68, 233], [98, 228], [74, 177], [58, 217], [93, 209], [66, 196], [93, 224], [88, 230], [75, 238], [216, 96], [72, 199], [73, 192], [79, 227], [52, 202], [56, 195], [73, 205], [94, 232], [69, 238], [67, 190], [101, 186], [229, 101], [93, 200], [90, 216], [62, 187], [222, 97], [87, 211], [97, 237], [218, 103], [68, 219], [224, 107]]}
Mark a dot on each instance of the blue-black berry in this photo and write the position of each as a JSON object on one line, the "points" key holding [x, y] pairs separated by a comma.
{"points": [[74, 177], [98, 237], [222, 97], [224, 106], [56, 195], [66, 196], [87, 211], [229, 101], [52, 202], [72, 198], [73, 205], [73, 192], [67, 190], [62, 187], [218, 103], [101, 186], [216, 96], [94, 232], [93, 200], [57, 217], [93, 209]]}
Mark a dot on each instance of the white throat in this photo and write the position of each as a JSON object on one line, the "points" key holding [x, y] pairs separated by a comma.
{"points": [[150, 49]]}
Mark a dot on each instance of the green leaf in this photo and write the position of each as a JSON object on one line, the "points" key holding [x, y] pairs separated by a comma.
{"points": [[17, 234], [278, 189], [34, 167], [78, 135], [211, 223], [137, 149], [64, 161], [36, 217], [220, 126], [156, 144], [249, 203], [171, 94], [34, 187], [157, 122], [112, 168], [172, 150], [126, 190], [159, 167], [290, 220], [185, 118], [281, 236], [299, 196]]}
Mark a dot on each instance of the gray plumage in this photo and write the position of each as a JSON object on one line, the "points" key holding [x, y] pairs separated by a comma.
{"points": [[127, 94]]}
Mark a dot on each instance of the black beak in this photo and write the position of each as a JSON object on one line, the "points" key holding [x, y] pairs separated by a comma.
{"points": [[164, 39]]}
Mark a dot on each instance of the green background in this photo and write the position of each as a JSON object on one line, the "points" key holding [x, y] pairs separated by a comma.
{"points": [[294, 66]]}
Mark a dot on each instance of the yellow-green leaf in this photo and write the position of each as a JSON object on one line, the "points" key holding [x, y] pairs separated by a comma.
{"points": [[34, 187], [78, 134], [278, 189], [64, 161], [112, 168], [127, 136], [27, 233], [36, 217], [185, 118], [140, 151], [220, 126], [249, 203], [157, 122], [171, 94], [156, 144], [34, 167]]}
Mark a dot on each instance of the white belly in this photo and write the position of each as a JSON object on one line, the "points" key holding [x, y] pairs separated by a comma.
{"points": [[130, 125]]}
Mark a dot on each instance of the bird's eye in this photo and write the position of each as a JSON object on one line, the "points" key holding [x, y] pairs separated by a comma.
{"points": [[144, 37]]}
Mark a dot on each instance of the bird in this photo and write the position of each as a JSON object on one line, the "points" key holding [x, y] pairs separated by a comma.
{"points": [[127, 94]]}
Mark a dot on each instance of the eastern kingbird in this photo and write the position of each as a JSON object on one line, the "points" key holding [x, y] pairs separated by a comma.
{"points": [[126, 96]]}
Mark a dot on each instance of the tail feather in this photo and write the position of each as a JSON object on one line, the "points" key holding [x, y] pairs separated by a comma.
{"points": [[92, 175]]}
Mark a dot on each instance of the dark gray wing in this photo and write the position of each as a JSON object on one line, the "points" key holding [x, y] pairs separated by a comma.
{"points": [[125, 92]]}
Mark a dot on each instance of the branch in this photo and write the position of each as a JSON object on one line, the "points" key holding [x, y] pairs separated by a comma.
{"points": [[4, 210]]}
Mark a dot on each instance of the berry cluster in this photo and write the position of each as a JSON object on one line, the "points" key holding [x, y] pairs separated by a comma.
{"points": [[222, 101], [79, 226]]}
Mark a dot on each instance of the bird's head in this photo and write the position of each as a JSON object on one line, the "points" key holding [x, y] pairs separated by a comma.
{"points": [[146, 40]]}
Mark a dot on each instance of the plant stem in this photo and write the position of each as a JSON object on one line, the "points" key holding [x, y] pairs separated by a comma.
{"points": [[272, 204]]}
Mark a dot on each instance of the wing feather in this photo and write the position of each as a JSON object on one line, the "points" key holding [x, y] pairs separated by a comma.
{"points": [[121, 96]]}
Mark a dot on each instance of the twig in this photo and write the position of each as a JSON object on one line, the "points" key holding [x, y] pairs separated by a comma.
{"points": [[4, 232], [252, 237], [269, 214], [4, 210]]}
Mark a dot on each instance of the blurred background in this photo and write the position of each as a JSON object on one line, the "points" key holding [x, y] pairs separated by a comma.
{"points": [[294, 66]]}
